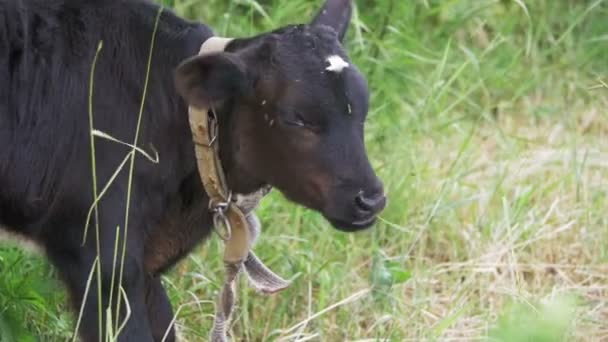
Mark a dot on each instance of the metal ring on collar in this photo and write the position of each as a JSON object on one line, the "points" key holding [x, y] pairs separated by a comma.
{"points": [[221, 220], [223, 205]]}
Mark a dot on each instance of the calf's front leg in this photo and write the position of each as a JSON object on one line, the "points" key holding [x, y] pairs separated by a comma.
{"points": [[75, 264], [160, 313]]}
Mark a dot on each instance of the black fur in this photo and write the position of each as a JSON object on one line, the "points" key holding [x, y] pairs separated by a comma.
{"points": [[314, 153]]}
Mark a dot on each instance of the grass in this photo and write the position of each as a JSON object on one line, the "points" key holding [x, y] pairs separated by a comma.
{"points": [[489, 127], [29, 302]]}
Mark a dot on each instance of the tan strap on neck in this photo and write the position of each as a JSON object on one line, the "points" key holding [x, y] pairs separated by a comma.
{"points": [[205, 133], [242, 227]]}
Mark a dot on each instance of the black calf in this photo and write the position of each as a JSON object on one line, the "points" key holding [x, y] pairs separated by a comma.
{"points": [[291, 108]]}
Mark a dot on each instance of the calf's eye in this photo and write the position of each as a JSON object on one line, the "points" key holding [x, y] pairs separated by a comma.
{"points": [[297, 123], [295, 119], [298, 120]]}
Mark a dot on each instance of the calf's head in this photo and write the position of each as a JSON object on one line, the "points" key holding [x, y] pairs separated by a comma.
{"points": [[291, 108]]}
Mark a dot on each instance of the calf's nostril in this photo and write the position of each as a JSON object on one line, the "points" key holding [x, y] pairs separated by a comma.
{"points": [[372, 203], [362, 202]]}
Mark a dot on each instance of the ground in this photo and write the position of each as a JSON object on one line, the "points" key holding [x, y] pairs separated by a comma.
{"points": [[489, 127]]}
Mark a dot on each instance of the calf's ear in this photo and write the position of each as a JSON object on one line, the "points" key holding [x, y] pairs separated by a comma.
{"points": [[335, 14], [204, 80]]}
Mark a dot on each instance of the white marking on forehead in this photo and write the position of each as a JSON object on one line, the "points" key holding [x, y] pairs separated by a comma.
{"points": [[336, 64]]}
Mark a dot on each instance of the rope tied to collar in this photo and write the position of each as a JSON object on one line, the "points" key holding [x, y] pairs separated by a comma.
{"points": [[234, 218]]}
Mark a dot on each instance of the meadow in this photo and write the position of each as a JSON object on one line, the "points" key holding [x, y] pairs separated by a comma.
{"points": [[489, 127]]}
